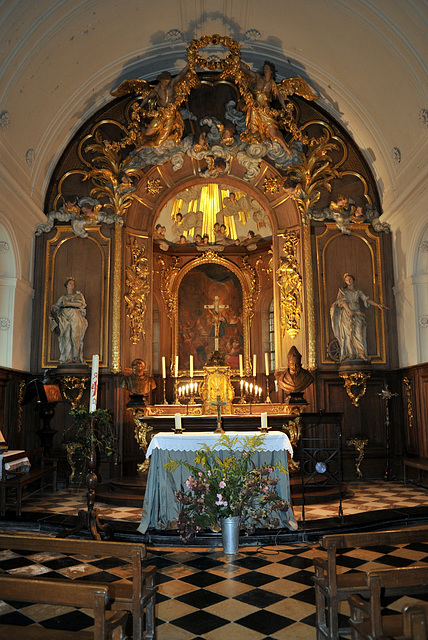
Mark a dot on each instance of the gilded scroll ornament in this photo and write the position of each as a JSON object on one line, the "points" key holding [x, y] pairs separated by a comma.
{"points": [[357, 381], [254, 279], [140, 432], [359, 444], [137, 281], [289, 282], [167, 275], [73, 388], [408, 384], [293, 429]]}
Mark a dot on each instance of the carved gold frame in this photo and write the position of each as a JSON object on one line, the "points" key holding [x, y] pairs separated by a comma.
{"points": [[63, 234], [248, 281], [377, 281]]}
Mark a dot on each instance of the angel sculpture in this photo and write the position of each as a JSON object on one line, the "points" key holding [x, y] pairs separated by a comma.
{"points": [[166, 122], [261, 119]]}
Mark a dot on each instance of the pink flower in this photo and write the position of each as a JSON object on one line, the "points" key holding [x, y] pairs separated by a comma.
{"points": [[200, 474], [222, 484]]}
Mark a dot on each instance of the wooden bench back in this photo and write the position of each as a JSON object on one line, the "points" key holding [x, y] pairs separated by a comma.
{"points": [[415, 621], [398, 578], [71, 546], [374, 538], [64, 592]]}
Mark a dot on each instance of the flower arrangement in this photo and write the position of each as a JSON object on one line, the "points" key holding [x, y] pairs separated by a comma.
{"points": [[228, 485]]}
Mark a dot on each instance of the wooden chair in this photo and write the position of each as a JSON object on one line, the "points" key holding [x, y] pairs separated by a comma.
{"points": [[107, 625], [366, 620], [137, 597], [332, 587]]}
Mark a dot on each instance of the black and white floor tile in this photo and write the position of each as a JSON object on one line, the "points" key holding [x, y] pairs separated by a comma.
{"points": [[261, 593]]}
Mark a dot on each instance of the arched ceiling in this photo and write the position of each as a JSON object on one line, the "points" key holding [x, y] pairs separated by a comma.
{"points": [[366, 59]]}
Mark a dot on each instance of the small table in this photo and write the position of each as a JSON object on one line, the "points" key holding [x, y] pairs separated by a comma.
{"points": [[160, 507]]}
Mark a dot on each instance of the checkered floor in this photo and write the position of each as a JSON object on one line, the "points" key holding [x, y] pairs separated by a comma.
{"points": [[258, 594]]}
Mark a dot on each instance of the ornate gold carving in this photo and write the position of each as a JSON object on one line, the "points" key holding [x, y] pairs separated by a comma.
{"points": [[117, 291], [293, 429], [408, 384], [253, 275], [359, 444], [140, 432], [314, 172], [76, 385], [290, 285], [111, 177], [21, 388], [310, 299], [270, 185], [137, 281], [154, 186], [216, 385], [167, 275], [71, 447], [357, 379]]}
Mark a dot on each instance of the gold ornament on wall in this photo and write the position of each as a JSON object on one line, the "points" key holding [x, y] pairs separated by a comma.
{"points": [[357, 381], [154, 186], [137, 281], [289, 282], [271, 185], [73, 388], [408, 384]]}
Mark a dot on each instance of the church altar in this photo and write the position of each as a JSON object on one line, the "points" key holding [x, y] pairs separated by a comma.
{"points": [[160, 507]]}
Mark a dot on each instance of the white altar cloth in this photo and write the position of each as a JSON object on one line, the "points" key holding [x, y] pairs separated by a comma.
{"points": [[272, 441]]}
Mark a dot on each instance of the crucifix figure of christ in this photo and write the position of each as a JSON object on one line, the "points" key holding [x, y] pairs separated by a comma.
{"points": [[214, 309], [219, 405]]}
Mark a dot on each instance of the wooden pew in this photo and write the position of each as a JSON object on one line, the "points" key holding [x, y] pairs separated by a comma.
{"points": [[415, 622], [366, 620], [62, 592], [16, 481], [137, 597], [332, 587]]}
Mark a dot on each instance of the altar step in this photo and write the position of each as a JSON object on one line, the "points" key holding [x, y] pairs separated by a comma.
{"points": [[127, 491]]}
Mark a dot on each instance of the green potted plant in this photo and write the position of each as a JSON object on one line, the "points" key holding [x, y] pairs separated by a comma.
{"points": [[228, 491], [87, 428]]}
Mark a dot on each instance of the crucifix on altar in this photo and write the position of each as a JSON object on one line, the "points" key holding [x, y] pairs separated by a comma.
{"points": [[214, 309], [219, 405]]}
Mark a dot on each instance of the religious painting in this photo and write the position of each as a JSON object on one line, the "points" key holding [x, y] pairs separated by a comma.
{"points": [[212, 217], [210, 316]]}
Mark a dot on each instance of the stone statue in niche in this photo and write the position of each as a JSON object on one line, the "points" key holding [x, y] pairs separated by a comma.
{"points": [[68, 319], [295, 379], [139, 383], [349, 322]]}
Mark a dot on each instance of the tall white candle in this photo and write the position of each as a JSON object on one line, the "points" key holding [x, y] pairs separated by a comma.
{"points": [[177, 420], [241, 366], [276, 385], [264, 420], [94, 384], [163, 367], [254, 365], [191, 366], [176, 367], [267, 363]]}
